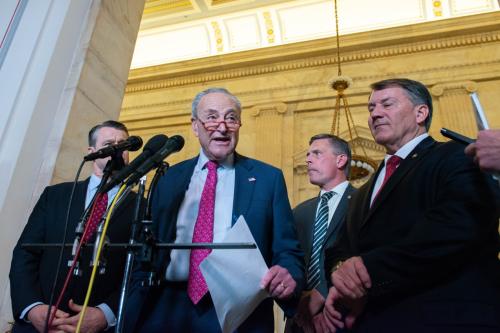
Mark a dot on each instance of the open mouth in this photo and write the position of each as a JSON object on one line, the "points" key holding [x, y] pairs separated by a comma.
{"points": [[221, 139]]}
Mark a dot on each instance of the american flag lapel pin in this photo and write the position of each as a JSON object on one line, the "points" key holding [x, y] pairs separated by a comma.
{"points": [[251, 179]]}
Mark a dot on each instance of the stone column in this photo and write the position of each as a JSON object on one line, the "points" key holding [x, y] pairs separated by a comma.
{"points": [[269, 131], [455, 106]]}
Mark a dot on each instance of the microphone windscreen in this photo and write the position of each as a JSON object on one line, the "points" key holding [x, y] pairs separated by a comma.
{"points": [[135, 142]]}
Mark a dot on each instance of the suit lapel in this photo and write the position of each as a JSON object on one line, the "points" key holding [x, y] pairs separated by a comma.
{"points": [[244, 185], [307, 227], [417, 154]]}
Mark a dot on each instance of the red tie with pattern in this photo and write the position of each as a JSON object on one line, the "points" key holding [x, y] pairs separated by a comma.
{"points": [[203, 233], [391, 166], [100, 207]]}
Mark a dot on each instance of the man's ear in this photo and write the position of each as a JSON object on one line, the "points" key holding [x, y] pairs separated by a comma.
{"points": [[91, 149], [194, 126], [422, 113], [341, 161]]}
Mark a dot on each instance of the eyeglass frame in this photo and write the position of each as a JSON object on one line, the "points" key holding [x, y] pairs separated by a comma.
{"points": [[229, 128]]}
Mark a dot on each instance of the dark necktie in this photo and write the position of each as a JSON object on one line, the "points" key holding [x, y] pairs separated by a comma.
{"points": [[320, 227], [203, 233], [390, 166], [101, 204]]}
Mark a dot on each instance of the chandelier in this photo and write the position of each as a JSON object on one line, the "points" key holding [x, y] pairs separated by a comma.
{"points": [[361, 165]]}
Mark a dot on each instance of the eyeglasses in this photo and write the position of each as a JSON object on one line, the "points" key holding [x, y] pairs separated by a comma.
{"points": [[232, 124]]}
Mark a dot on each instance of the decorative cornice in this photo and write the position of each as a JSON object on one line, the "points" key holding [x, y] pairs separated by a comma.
{"points": [[329, 60], [268, 109], [439, 89]]}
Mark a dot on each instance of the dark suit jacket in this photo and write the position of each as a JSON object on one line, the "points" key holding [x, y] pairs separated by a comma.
{"points": [[32, 271], [430, 243], [260, 196], [304, 216]]}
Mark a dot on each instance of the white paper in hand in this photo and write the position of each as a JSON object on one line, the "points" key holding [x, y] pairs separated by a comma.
{"points": [[233, 278]]}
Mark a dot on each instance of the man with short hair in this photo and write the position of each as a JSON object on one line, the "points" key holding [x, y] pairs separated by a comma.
{"points": [[32, 270], [199, 200], [419, 251], [319, 220]]}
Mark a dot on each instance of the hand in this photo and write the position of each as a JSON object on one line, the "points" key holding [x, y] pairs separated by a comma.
{"points": [[38, 314], [310, 304], [332, 318], [278, 283], [319, 324], [351, 279], [334, 302], [486, 150], [94, 320]]}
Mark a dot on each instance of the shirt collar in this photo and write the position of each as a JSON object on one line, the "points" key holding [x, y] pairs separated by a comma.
{"points": [[404, 151], [339, 188], [228, 163]]}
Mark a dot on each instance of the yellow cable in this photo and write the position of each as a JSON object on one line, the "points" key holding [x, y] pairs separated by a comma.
{"points": [[96, 263]]}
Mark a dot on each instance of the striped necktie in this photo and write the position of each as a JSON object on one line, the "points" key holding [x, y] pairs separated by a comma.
{"points": [[320, 227]]}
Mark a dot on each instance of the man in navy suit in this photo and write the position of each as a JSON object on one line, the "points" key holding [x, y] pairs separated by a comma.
{"points": [[245, 187], [328, 163], [419, 252], [32, 271]]}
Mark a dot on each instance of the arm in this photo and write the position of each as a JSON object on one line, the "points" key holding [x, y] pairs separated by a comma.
{"points": [[286, 253], [24, 271], [456, 224]]}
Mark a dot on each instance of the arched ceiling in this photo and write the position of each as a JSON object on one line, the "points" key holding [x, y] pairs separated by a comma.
{"points": [[177, 30]]}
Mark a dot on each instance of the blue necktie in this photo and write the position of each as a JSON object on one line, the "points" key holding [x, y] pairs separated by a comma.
{"points": [[320, 227]]}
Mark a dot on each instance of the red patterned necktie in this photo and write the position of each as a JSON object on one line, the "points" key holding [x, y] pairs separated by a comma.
{"points": [[203, 233], [100, 207], [390, 166]]}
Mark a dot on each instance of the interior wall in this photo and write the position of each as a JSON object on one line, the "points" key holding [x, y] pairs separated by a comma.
{"points": [[286, 96]]}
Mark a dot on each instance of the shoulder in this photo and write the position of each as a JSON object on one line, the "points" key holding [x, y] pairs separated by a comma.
{"points": [[306, 204], [250, 163], [64, 187]]}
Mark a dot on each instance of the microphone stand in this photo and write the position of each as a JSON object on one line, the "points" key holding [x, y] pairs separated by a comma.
{"points": [[146, 220]]}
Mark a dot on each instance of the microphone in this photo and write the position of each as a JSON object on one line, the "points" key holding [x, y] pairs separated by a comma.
{"points": [[173, 144], [152, 146], [133, 143]]}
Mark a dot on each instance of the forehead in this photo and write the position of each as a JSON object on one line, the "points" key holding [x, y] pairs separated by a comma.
{"points": [[390, 92], [110, 133], [217, 102], [319, 144]]}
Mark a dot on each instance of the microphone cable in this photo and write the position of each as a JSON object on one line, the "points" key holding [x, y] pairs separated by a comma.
{"points": [[96, 263], [61, 253]]}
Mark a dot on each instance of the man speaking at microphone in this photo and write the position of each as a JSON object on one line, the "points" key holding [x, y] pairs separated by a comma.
{"points": [[32, 271], [198, 200]]}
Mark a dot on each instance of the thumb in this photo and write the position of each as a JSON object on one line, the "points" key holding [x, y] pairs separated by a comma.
{"points": [[350, 319], [74, 307]]}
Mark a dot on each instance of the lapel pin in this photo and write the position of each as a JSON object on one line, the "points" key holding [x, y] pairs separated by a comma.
{"points": [[251, 179], [414, 155]]}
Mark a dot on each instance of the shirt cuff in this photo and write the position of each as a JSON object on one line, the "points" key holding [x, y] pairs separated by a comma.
{"points": [[26, 310], [108, 313]]}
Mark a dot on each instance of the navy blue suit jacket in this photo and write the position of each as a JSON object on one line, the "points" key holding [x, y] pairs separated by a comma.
{"points": [[260, 195]]}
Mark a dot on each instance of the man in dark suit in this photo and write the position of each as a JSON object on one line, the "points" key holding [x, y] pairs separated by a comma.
{"points": [[318, 221], [419, 252], [243, 186], [32, 271]]}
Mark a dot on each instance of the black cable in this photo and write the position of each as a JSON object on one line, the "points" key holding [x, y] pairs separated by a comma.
{"points": [[63, 245]]}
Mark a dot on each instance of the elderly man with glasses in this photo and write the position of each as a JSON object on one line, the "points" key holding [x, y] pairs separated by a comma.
{"points": [[198, 200]]}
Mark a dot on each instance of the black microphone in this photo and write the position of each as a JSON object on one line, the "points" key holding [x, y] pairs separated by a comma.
{"points": [[174, 144], [133, 143], [151, 147]]}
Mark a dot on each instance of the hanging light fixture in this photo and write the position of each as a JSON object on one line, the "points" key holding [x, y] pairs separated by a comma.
{"points": [[361, 165]]}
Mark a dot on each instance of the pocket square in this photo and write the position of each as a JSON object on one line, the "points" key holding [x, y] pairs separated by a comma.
{"points": [[251, 179]]}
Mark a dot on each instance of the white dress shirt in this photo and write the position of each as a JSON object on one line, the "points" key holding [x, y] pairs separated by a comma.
{"points": [[402, 152], [178, 269]]}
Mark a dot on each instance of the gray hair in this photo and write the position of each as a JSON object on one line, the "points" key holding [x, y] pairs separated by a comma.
{"points": [[416, 92], [199, 96]]}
